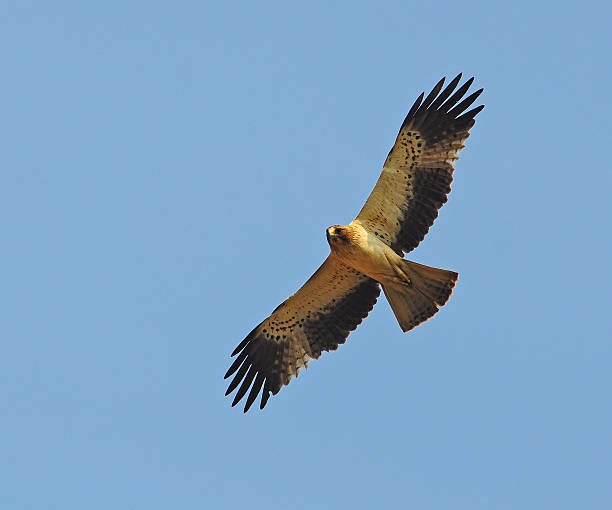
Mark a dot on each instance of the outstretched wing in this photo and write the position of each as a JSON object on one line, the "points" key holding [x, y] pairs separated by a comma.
{"points": [[317, 318], [417, 174]]}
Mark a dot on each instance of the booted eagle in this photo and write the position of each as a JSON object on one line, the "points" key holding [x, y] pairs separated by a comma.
{"points": [[367, 253]]}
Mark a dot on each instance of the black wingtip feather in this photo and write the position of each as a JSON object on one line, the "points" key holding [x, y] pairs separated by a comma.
{"points": [[259, 380], [465, 104], [264, 396], [241, 346], [432, 95], [237, 362], [456, 96], [446, 92], [247, 340], [415, 107], [472, 113], [246, 383], [238, 377]]}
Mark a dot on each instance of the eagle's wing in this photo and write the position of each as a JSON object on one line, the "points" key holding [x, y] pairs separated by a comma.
{"points": [[317, 318], [417, 174]]}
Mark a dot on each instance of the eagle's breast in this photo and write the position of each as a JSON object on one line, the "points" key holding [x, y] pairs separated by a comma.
{"points": [[364, 252]]}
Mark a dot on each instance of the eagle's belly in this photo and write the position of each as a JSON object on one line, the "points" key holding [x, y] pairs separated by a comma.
{"points": [[371, 256]]}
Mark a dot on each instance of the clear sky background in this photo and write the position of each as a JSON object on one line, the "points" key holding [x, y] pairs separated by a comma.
{"points": [[167, 171]]}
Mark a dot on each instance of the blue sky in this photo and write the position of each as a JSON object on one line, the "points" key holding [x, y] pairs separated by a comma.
{"points": [[168, 170]]}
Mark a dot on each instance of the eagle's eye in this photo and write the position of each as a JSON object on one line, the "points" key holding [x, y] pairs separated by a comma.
{"points": [[338, 231]]}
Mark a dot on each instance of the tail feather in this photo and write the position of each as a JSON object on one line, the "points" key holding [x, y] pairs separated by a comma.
{"points": [[416, 301]]}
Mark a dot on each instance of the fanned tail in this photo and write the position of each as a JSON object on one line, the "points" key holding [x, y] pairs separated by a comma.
{"points": [[416, 301]]}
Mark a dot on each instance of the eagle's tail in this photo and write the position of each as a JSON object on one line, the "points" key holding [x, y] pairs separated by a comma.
{"points": [[417, 298]]}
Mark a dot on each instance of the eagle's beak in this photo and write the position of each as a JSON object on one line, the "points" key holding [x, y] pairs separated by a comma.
{"points": [[327, 233]]}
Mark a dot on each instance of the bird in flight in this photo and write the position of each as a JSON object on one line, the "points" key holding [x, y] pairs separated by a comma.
{"points": [[368, 253]]}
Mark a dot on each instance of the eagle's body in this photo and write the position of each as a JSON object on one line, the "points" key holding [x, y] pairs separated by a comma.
{"points": [[362, 250], [368, 253]]}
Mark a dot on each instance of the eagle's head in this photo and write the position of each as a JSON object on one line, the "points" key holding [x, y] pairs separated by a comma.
{"points": [[337, 235]]}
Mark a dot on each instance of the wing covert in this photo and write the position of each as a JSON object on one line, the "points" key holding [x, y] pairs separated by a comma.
{"points": [[317, 318], [418, 171]]}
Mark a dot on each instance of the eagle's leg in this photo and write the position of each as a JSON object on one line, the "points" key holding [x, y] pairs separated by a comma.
{"points": [[400, 275]]}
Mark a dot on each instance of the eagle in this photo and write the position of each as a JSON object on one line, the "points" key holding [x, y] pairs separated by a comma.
{"points": [[368, 253]]}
